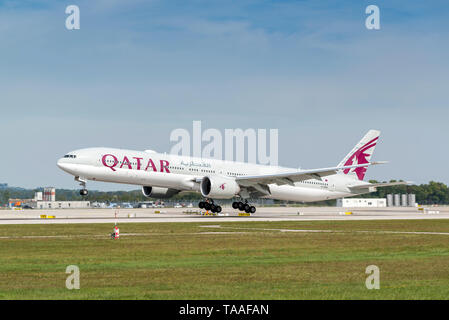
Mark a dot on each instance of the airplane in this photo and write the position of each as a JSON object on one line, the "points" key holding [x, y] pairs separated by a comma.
{"points": [[164, 175]]}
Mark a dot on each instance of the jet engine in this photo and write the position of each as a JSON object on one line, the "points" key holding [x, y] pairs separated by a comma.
{"points": [[159, 193], [219, 187]]}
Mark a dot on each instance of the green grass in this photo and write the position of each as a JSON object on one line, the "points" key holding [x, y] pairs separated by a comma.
{"points": [[176, 261]]}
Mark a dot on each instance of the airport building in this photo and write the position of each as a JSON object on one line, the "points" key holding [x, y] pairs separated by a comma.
{"points": [[392, 200], [49, 195], [3, 186], [60, 204], [47, 200], [362, 203], [401, 200]]}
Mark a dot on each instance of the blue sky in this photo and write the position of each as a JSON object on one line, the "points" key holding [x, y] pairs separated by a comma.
{"points": [[138, 69]]}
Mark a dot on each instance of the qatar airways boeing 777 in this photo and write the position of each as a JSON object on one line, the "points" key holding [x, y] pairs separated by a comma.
{"points": [[163, 175]]}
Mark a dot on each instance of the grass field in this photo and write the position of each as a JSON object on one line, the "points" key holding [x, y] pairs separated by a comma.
{"points": [[241, 260]]}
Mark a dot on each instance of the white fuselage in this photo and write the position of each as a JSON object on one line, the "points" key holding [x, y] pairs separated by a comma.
{"points": [[154, 169]]}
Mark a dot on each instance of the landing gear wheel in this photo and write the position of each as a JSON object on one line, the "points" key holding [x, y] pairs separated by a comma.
{"points": [[201, 205], [246, 207], [252, 209], [218, 209], [213, 208], [82, 181], [241, 206], [207, 206], [235, 205]]}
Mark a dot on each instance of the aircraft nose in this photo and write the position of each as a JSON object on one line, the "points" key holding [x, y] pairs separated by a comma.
{"points": [[66, 166], [61, 164]]}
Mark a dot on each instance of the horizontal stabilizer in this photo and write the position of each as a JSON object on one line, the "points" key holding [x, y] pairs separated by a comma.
{"points": [[377, 185]]}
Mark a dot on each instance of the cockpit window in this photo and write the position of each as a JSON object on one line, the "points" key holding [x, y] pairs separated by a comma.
{"points": [[70, 156]]}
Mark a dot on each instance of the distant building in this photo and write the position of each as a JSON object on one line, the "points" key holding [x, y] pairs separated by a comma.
{"points": [[49, 194], [405, 200], [47, 200], [60, 204], [390, 202], [411, 200], [397, 200], [3, 185], [362, 203]]}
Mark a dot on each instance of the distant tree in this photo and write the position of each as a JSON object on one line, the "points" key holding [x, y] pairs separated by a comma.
{"points": [[4, 196]]}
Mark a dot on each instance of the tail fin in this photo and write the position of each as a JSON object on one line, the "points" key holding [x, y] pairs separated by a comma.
{"points": [[361, 154]]}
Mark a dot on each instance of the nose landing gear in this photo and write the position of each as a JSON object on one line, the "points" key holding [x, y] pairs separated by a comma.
{"points": [[209, 205], [244, 206], [83, 191]]}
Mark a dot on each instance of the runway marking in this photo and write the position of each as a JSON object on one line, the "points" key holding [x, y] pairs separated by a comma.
{"points": [[223, 232], [226, 233], [121, 235], [49, 237], [334, 231]]}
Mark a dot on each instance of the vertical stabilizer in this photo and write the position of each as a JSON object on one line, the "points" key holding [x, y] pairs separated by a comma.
{"points": [[361, 154]]}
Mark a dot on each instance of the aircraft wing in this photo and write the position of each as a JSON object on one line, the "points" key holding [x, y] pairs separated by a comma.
{"points": [[377, 185], [295, 176]]}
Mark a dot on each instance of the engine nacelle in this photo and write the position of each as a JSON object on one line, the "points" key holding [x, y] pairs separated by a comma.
{"points": [[219, 187], [159, 193]]}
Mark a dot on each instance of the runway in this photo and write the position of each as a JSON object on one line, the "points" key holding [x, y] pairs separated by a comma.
{"points": [[62, 216]]}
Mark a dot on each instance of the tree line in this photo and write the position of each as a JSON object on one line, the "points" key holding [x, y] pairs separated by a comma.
{"points": [[430, 193]]}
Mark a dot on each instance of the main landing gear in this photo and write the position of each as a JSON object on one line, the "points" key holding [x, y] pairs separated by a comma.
{"points": [[209, 205], [83, 191], [244, 206]]}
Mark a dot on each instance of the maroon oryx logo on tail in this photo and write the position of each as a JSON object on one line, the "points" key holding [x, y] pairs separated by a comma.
{"points": [[360, 157]]}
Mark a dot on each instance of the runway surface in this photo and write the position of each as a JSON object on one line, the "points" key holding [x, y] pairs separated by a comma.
{"points": [[228, 215]]}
